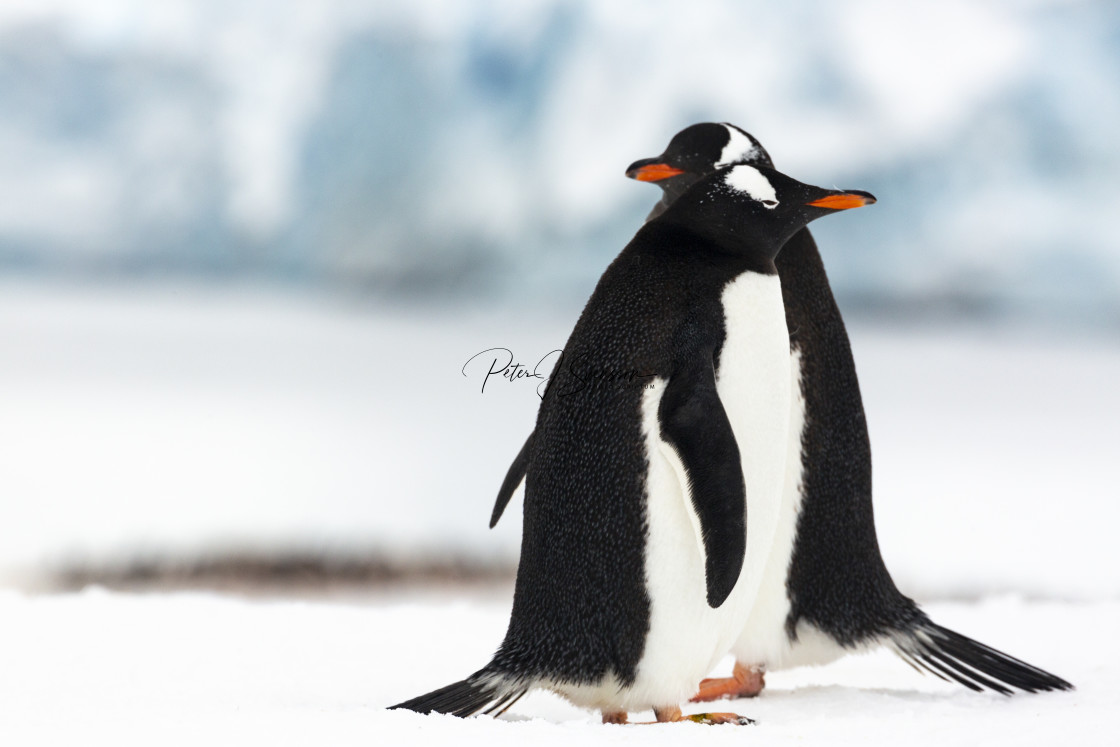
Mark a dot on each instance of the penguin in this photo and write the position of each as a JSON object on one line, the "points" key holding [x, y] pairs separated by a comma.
{"points": [[657, 464], [826, 591]]}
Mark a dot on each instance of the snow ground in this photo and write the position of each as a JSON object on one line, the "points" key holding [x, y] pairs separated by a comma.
{"points": [[180, 422], [123, 669]]}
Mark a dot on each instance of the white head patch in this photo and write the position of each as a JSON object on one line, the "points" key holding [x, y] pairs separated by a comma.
{"points": [[739, 147], [750, 181]]}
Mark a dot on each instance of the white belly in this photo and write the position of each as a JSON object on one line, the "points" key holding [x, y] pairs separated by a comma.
{"points": [[764, 641], [687, 637]]}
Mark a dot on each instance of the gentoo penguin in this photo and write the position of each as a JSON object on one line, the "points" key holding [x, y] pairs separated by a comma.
{"points": [[827, 591], [658, 462]]}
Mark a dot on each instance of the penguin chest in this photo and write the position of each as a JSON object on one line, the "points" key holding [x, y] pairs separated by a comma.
{"points": [[754, 382], [764, 641], [686, 636]]}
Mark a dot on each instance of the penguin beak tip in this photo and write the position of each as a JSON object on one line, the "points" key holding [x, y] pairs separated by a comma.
{"points": [[845, 200]]}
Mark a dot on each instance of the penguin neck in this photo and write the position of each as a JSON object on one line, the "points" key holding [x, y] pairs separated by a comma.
{"points": [[732, 254], [671, 191], [726, 223]]}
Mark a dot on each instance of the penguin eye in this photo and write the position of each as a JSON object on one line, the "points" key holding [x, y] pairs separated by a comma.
{"points": [[769, 203]]}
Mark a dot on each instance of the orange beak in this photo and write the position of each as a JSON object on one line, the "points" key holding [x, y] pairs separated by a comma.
{"points": [[654, 172], [843, 201]]}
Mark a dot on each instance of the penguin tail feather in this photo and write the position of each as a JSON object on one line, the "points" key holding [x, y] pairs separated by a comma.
{"points": [[949, 655], [479, 692]]}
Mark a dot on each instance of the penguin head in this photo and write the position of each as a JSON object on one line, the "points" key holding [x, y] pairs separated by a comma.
{"points": [[694, 152], [756, 209]]}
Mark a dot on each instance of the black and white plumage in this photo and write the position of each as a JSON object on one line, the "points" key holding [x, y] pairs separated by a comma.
{"points": [[657, 463], [827, 591]]}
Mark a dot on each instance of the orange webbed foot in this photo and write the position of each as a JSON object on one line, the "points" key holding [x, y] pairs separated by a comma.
{"points": [[744, 682]]}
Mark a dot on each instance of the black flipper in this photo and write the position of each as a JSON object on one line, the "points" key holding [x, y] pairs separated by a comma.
{"points": [[949, 654], [466, 698], [694, 422], [514, 477]]}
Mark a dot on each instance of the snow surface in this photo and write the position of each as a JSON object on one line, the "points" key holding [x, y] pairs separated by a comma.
{"points": [[122, 669], [178, 422]]}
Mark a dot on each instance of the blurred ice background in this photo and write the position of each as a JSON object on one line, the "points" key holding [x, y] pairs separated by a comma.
{"points": [[246, 248]]}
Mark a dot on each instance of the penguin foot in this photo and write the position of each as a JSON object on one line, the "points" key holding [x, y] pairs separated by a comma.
{"points": [[614, 717], [668, 715], [720, 718], [744, 682]]}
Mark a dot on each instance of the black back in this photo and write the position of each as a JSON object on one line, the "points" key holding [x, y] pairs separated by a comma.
{"points": [[837, 579]]}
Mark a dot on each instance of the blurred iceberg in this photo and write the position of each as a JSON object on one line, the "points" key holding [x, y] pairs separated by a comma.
{"points": [[454, 149]]}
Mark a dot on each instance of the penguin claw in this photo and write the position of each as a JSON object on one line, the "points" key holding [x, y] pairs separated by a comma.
{"points": [[673, 714], [745, 682], [720, 718]]}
